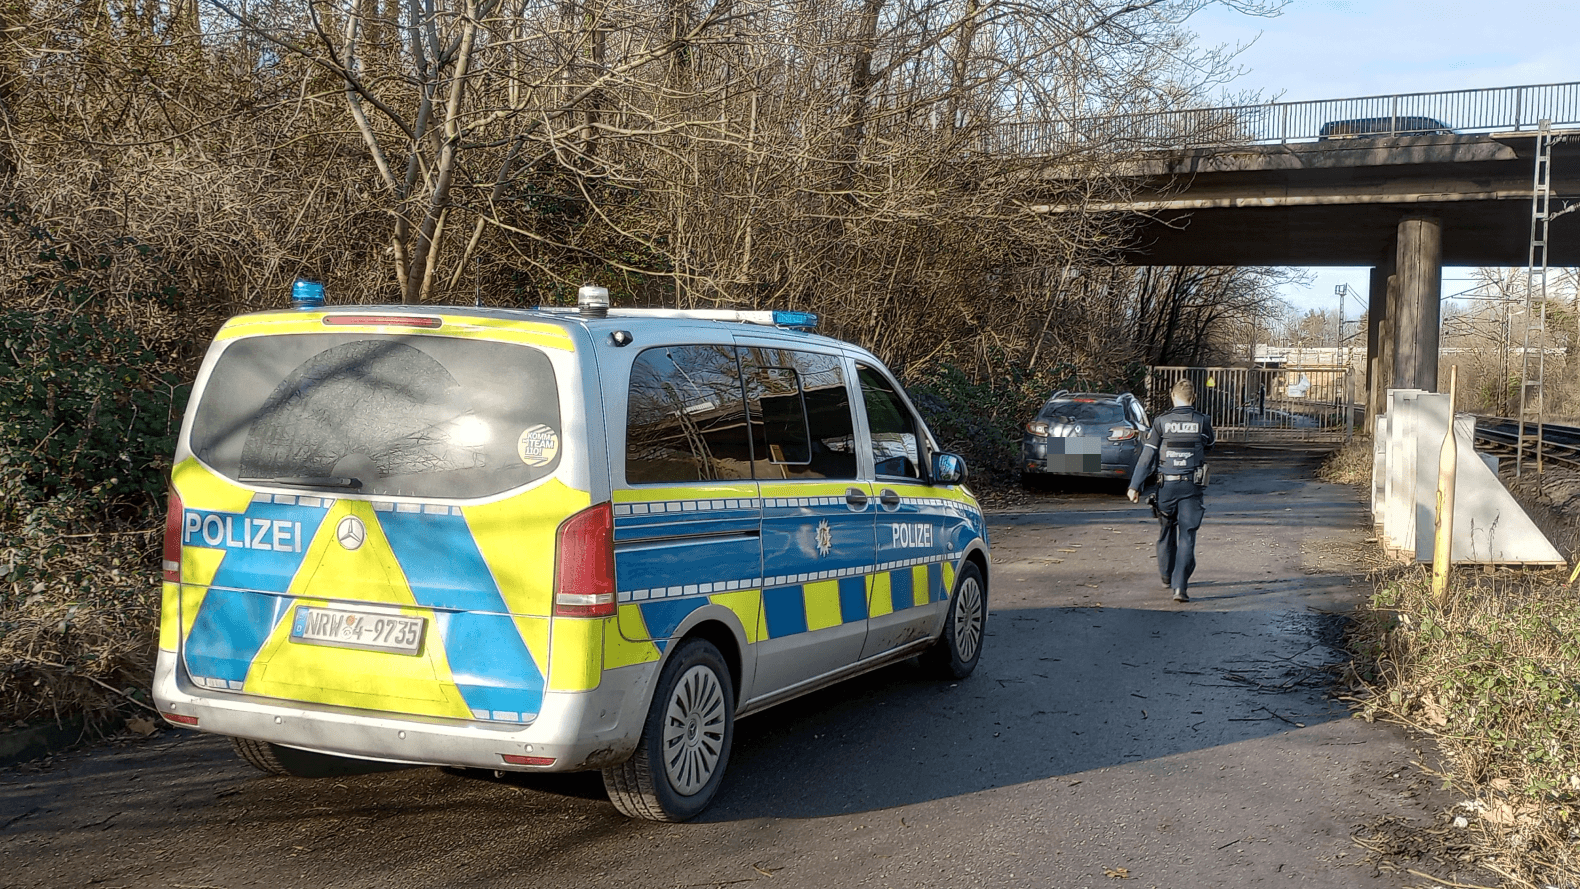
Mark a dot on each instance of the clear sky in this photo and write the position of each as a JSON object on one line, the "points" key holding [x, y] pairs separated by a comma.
{"points": [[1334, 49]]}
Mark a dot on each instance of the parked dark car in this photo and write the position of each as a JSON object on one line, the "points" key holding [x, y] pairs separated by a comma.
{"points": [[1083, 434], [1403, 125]]}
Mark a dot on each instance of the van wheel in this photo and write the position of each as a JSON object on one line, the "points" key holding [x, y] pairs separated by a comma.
{"points": [[274, 759], [955, 653], [685, 745]]}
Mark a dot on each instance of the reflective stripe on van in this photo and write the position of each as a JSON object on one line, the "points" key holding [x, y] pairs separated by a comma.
{"points": [[474, 575]]}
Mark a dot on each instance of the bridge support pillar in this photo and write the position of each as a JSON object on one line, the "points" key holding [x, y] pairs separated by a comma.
{"points": [[1376, 319], [1420, 264], [1387, 341]]}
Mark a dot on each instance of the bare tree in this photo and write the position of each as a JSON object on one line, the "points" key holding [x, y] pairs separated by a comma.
{"points": [[876, 161]]}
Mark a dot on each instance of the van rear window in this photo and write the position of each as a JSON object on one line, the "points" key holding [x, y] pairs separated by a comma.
{"points": [[420, 416]]}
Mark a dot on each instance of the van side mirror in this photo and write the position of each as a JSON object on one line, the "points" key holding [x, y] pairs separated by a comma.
{"points": [[949, 469]]}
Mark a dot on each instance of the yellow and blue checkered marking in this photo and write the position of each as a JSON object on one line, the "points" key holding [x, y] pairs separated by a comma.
{"points": [[279, 553], [791, 603]]}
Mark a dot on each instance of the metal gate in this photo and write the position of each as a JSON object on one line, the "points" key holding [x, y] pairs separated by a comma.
{"points": [[1266, 405]]}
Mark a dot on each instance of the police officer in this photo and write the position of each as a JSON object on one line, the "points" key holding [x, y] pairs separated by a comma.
{"points": [[1176, 448]]}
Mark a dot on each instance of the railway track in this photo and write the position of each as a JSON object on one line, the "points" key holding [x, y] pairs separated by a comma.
{"points": [[1500, 435]]}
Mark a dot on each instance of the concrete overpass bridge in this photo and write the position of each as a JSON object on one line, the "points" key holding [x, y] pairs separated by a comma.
{"points": [[1404, 184]]}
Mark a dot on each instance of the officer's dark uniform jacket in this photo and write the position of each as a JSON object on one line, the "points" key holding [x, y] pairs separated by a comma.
{"points": [[1176, 446], [1176, 449]]}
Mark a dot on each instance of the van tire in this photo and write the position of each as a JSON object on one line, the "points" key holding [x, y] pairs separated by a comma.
{"points": [[694, 702], [274, 759], [959, 647]]}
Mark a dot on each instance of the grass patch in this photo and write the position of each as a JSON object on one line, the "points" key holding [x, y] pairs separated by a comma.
{"points": [[1492, 674], [1350, 464]]}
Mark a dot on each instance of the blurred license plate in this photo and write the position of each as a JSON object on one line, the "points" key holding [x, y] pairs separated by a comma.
{"points": [[358, 629]]}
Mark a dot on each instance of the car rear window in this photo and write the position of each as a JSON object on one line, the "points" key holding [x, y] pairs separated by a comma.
{"points": [[1083, 412], [422, 416]]}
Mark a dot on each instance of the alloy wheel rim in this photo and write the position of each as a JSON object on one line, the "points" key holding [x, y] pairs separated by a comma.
{"points": [[694, 725], [968, 619]]}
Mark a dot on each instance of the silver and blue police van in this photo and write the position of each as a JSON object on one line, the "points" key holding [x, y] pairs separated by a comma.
{"points": [[549, 540]]}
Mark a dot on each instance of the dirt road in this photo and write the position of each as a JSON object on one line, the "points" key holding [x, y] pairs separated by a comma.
{"points": [[1109, 735]]}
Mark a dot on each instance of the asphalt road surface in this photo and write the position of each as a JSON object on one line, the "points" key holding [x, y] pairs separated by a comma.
{"points": [[1110, 737]]}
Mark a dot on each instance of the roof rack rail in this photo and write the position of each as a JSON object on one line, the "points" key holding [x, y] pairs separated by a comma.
{"points": [[770, 318]]}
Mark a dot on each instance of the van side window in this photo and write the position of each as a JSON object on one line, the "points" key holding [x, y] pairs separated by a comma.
{"points": [[685, 419], [896, 451], [800, 415]]}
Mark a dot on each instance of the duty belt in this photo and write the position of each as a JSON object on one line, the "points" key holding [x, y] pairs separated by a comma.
{"points": [[1176, 478]]}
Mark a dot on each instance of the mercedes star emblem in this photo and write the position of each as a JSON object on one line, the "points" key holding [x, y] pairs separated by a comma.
{"points": [[351, 532]]}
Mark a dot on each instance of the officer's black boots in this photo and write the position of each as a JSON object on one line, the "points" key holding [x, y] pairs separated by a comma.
{"points": [[1179, 596]]}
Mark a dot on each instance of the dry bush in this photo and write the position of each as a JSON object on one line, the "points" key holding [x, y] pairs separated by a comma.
{"points": [[77, 625], [1493, 675], [1350, 464]]}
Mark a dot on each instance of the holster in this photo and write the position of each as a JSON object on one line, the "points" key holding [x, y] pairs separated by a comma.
{"points": [[1152, 501], [1202, 475]]}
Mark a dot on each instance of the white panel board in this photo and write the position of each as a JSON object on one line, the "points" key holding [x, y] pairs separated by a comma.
{"points": [[1490, 527]]}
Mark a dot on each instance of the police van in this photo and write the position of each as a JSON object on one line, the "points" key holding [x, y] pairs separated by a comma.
{"points": [[548, 540]]}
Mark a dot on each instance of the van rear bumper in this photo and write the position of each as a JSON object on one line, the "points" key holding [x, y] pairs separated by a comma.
{"points": [[579, 730]]}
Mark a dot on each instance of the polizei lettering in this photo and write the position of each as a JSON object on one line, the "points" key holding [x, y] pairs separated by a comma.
{"points": [[1176, 427], [910, 536], [230, 531]]}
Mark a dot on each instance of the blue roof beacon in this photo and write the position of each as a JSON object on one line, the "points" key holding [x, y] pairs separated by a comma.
{"points": [[307, 294]]}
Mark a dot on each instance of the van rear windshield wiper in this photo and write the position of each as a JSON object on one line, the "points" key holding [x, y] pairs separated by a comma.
{"points": [[308, 481]]}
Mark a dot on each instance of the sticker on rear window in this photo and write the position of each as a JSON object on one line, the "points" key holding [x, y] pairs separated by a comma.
{"points": [[538, 445]]}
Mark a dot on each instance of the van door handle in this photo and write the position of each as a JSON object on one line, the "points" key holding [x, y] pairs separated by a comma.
{"points": [[856, 499], [889, 499]]}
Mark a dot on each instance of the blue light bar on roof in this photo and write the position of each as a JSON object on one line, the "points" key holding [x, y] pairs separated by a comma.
{"points": [[307, 294], [797, 320]]}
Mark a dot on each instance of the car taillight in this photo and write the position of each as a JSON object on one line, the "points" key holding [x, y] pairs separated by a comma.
{"points": [[584, 564], [1120, 433], [178, 719], [172, 557], [1037, 427]]}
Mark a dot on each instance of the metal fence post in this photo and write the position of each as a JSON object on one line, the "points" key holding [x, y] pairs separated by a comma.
{"points": [[1349, 405]]}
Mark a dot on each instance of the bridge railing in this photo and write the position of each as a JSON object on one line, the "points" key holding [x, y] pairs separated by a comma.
{"points": [[1500, 109]]}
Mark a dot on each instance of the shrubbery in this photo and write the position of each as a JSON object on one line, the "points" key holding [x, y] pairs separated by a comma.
{"points": [[91, 417]]}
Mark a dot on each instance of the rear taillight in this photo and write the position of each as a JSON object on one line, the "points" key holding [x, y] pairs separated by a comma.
{"points": [[1037, 427], [1121, 433], [584, 564], [178, 719], [172, 557]]}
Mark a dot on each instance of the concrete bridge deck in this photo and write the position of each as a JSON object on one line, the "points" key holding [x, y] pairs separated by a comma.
{"points": [[1340, 201]]}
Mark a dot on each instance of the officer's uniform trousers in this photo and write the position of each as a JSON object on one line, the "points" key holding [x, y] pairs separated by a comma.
{"points": [[1179, 515]]}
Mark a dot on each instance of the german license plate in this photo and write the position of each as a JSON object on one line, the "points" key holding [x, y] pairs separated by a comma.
{"points": [[395, 633]]}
